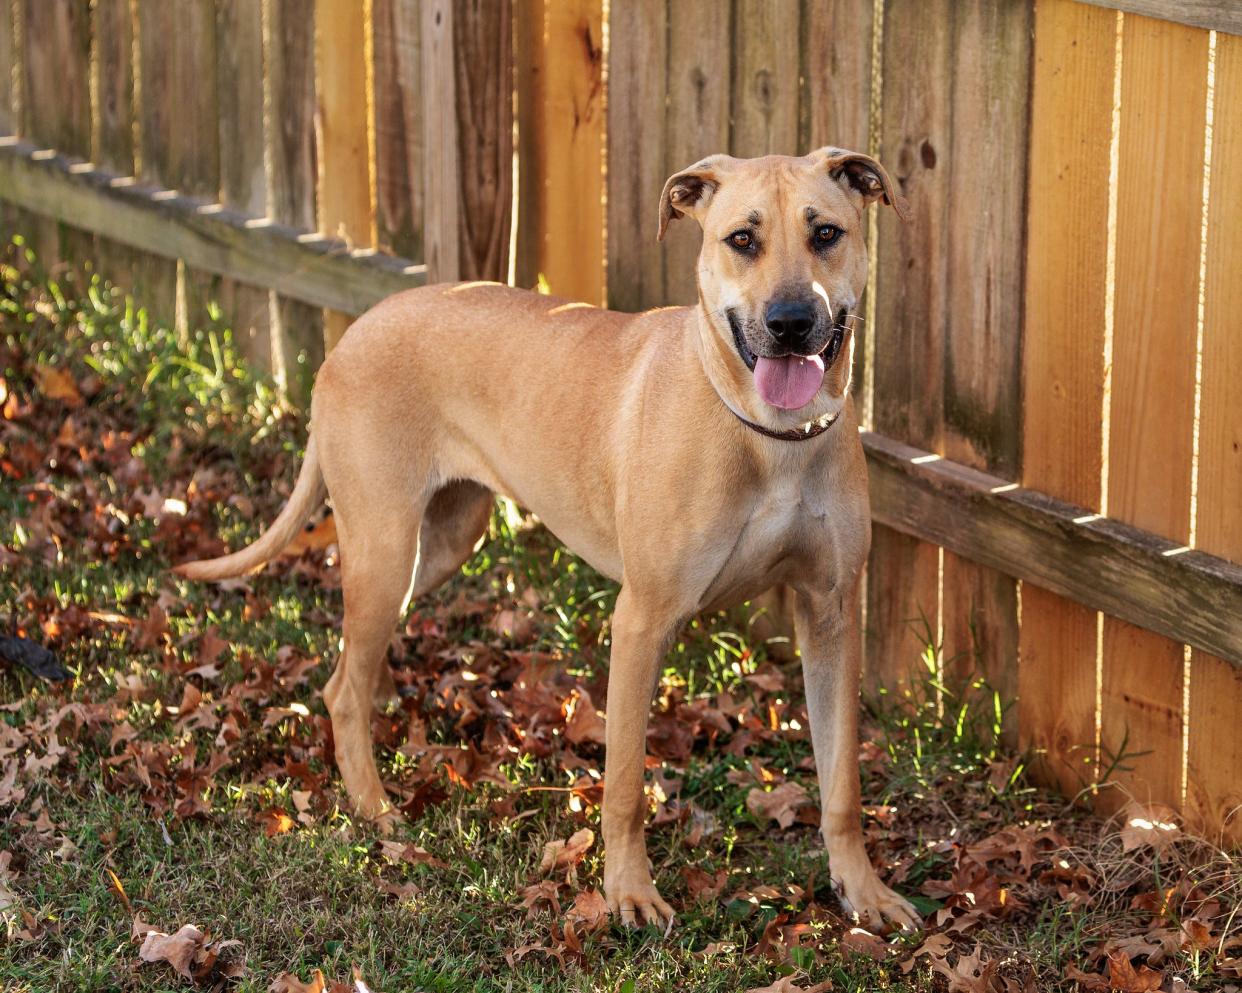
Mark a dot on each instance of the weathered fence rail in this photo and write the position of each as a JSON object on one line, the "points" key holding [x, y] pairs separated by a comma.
{"points": [[1050, 345]]}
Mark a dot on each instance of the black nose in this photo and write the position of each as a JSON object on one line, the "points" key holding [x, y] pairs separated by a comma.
{"points": [[789, 321]]}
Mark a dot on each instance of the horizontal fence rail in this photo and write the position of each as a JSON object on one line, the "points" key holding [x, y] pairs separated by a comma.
{"points": [[320, 271], [1100, 562]]}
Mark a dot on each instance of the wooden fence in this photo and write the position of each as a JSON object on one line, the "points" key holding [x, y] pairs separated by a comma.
{"points": [[1056, 464]]}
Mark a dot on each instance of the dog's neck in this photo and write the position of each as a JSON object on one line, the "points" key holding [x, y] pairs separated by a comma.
{"points": [[733, 383]]}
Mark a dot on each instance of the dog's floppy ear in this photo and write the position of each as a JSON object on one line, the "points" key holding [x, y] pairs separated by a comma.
{"points": [[865, 175], [688, 191]]}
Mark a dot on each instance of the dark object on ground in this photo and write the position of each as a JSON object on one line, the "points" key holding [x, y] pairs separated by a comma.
{"points": [[39, 660]]}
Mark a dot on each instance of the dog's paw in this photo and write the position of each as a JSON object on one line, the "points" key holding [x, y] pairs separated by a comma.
{"points": [[633, 898], [872, 903]]}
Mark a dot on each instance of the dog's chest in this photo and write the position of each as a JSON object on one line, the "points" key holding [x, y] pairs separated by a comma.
{"points": [[794, 531]]}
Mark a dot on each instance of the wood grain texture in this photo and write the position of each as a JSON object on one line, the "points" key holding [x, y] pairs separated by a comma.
{"points": [[1159, 197], [112, 142], [986, 225], [442, 242], [10, 66], [289, 27], [398, 127], [243, 180], [1100, 562], [835, 105], [483, 46], [836, 74], [289, 48], [765, 77], [317, 271], [342, 124], [696, 122], [1215, 15], [178, 113], [1213, 791], [112, 136], [1063, 360], [56, 60], [572, 149], [637, 74], [903, 574]]}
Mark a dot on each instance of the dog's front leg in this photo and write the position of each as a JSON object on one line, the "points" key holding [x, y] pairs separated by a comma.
{"points": [[640, 635], [830, 643]]}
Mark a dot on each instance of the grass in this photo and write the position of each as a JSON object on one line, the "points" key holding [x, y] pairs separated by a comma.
{"points": [[241, 828]]}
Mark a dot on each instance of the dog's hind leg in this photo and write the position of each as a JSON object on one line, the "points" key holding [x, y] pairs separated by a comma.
{"points": [[456, 518], [379, 549]]}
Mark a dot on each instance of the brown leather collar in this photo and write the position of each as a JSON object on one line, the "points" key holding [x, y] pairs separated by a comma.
{"points": [[812, 429]]}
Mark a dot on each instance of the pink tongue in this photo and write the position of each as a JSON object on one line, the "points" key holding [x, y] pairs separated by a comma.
{"points": [[790, 382]]}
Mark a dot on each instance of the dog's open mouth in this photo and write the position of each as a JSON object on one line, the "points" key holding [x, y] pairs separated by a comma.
{"points": [[790, 381]]}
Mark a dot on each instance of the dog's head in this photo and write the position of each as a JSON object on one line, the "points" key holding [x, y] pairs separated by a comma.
{"points": [[783, 265]]}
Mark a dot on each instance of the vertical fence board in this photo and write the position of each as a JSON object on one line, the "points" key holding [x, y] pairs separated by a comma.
{"points": [[1213, 790], [571, 149], [835, 107], [638, 60], [836, 74], [56, 59], [243, 179], [112, 135], [342, 124], [57, 105], [1063, 362], [112, 144], [468, 117], [1159, 198], [983, 333], [561, 123], [765, 77], [243, 182], [696, 123], [442, 248], [398, 127], [289, 52], [8, 70], [902, 572]]}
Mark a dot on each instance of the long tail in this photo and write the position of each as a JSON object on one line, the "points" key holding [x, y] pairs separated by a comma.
{"points": [[307, 494]]}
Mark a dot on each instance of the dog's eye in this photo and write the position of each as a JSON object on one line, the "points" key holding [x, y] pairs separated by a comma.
{"points": [[827, 235], [743, 241]]}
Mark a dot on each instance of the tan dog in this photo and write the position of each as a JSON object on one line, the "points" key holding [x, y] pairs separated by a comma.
{"points": [[698, 455]]}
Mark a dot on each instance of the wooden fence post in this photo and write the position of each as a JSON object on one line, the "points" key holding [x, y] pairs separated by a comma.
{"points": [[468, 122]]}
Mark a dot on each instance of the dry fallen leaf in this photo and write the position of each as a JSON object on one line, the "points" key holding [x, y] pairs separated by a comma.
{"points": [[1152, 824], [786, 985], [589, 912], [780, 804], [562, 854], [287, 982], [57, 384], [178, 950]]}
